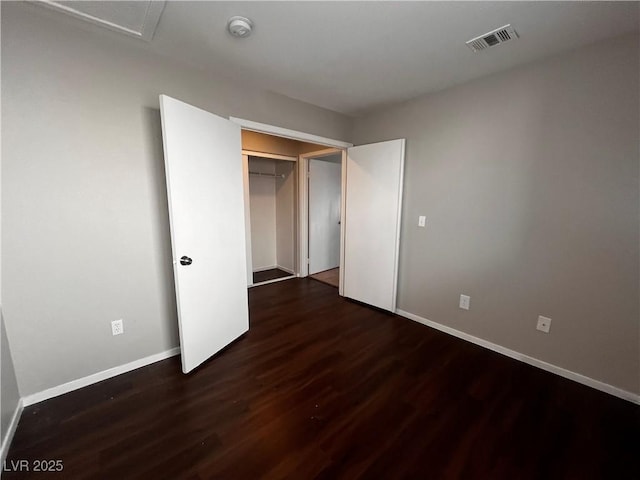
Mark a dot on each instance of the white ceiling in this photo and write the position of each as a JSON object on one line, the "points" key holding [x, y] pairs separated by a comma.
{"points": [[352, 57]]}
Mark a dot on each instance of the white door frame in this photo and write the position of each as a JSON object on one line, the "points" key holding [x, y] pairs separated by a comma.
{"points": [[247, 217], [303, 226], [303, 251], [252, 153], [287, 133]]}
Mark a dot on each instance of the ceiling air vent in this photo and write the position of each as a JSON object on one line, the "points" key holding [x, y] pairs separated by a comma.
{"points": [[492, 38]]}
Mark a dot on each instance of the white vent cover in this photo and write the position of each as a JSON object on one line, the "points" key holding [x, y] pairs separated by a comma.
{"points": [[135, 18], [492, 38]]}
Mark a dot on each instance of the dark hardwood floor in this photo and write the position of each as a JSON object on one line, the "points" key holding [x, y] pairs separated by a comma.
{"points": [[324, 388], [271, 274]]}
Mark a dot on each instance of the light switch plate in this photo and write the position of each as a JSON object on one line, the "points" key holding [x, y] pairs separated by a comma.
{"points": [[422, 221]]}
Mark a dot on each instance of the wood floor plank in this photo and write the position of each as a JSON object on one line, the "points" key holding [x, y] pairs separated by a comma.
{"points": [[325, 388], [271, 274]]}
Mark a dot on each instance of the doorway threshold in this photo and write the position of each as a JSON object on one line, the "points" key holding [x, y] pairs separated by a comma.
{"points": [[330, 277], [267, 282], [271, 275]]}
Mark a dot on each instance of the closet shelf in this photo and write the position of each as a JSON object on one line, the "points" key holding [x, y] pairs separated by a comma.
{"points": [[269, 175]]}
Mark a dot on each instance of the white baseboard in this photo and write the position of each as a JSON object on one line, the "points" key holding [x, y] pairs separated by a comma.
{"points": [[576, 377], [263, 269], [11, 430], [284, 269], [97, 377]]}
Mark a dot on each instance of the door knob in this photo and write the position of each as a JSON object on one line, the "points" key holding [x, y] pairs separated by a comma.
{"points": [[185, 260]]}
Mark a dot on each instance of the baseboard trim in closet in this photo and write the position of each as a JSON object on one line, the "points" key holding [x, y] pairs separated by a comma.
{"points": [[264, 269], [267, 282]]}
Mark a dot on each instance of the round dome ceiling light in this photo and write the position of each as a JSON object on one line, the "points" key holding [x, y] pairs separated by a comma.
{"points": [[240, 27]]}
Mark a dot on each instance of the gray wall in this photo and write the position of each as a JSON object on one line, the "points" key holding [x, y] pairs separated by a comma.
{"points": [[529, 182], [9, 393], [10, 396], [85, 237]]}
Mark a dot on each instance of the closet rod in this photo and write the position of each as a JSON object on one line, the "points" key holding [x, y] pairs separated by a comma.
{"points": [[271, 175]]}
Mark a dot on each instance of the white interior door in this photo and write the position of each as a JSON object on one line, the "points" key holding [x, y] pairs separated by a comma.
{"points": [[203, 167], [372, 222], [325, 184]]}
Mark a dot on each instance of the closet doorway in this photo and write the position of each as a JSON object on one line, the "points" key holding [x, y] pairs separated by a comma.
{"points": [[272, 209], [272, 173]]}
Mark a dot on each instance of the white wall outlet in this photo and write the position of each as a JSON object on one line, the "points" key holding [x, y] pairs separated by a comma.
{"points": [[422, 221], [544, 324], [465, 302], [117, 327]]}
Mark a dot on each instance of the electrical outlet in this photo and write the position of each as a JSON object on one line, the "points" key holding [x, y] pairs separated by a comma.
{"points": [[117, 327], [422, 220], [544, 324], [465, 301]]}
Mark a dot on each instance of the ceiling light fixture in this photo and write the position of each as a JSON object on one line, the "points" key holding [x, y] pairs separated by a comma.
{"points": [[240, 27]]}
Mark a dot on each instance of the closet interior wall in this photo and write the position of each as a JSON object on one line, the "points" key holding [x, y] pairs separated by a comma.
{"points": [[272, 205], [262, 195], [286, 225]]}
